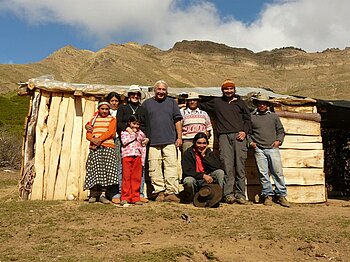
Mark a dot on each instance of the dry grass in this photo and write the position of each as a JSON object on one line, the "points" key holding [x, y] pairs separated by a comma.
{"points": [[78, 231]]}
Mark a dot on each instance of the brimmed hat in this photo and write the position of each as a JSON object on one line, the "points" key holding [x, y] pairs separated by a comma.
{"points": [[192, 96], [260, 97], [136, 89], [208, 196]]}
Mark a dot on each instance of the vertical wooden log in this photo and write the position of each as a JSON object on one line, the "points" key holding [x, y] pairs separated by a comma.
{"points": [[25, 184], [65, 158], [40, 137], [30, 134], [56, 149], [25, 127], [51, 130], [90, 108], [74, 169]]}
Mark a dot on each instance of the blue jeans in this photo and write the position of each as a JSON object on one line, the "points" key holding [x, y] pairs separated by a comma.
{"points": [[192, 185], [269, 159]]}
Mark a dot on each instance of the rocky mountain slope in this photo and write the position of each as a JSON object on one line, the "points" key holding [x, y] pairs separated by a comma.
{"points": [[195, 63]]}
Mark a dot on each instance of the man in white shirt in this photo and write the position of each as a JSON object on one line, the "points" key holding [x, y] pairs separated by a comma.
{"points": [[194, 121]]}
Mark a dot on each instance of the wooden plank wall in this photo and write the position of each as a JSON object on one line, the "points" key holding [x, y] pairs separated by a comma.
{"points": [[61, 151], [302, 160], [61, 148]]}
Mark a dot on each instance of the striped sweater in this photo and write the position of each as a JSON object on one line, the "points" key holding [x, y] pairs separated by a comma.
{"points": [[104, 128]]}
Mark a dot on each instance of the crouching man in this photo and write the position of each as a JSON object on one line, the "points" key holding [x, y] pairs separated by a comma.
{"points": [[266, 137], [200, 165]]}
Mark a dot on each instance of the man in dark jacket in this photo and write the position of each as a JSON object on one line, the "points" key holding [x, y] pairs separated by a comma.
{"points": [[233, 124], [200, 165]]}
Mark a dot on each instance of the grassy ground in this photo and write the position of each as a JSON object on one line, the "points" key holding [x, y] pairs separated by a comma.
{"points": [[79, 231]]}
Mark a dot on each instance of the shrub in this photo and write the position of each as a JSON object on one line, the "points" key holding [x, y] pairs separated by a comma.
{"points": [[10, 150]]}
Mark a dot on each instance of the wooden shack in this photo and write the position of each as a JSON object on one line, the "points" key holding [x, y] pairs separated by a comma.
{"points": [[55, 149]]}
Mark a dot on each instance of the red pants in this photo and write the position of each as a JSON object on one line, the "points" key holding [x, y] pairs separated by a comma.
{"points": [[132, 173]]}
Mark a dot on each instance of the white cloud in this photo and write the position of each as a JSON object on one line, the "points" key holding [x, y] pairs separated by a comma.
{"points": [[308, 24]]}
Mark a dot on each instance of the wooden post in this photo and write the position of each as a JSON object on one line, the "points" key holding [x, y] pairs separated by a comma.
{"points": [[25, 184], [74, 169], [56, 149], [65, 160], [49, 177], [90, 108], [40, 137]]}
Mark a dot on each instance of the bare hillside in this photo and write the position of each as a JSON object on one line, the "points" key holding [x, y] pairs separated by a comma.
{"points": [[195, 63]]}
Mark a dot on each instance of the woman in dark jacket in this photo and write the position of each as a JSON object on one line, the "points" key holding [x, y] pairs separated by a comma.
{"points": [[133, 107], [200, 165]]}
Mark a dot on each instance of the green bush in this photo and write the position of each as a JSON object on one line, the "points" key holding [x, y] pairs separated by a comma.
{"points": [[13, 110]]}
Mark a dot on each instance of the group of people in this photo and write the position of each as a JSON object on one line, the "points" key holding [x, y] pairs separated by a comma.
{"points": [[132, 140]]}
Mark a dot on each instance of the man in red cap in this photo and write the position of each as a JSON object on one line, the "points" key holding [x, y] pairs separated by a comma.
{"points": [[233, 124]]}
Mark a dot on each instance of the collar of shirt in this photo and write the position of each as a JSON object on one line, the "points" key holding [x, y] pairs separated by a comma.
{"points": [[189, 111], [256, 112]]}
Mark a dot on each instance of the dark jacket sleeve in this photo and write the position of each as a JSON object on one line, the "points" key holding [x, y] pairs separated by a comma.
{"points": [[211, 162], [122, 124], [145, 122], [188, 164], [177, 116], [280, 133], [247, 122], [208, 106]]}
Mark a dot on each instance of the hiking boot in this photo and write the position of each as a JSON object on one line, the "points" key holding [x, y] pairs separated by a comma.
{"points": [[104, 200], [160, 197], [92, 200], [138, 203], [144, 200], [230, 199], [268, 201], [116, 201], [172, 198], [242, 201], [282, 201]]}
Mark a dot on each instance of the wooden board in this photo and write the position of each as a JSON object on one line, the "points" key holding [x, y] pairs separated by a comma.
{"points": [[57, 146], [50, 178], [302, 158], [65, 157], [40, 137], [296, 194], [295, 158], [289, 145], [307, 194], [74, 169], [89, 109], [296, 109], [302, 139], [293, 176], [301, 127]]}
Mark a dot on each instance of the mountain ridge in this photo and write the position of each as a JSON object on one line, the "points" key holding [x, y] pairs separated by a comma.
{"points": [[287, 70]]}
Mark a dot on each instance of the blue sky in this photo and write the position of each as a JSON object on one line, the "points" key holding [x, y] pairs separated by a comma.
{"points": [[31, 30]]}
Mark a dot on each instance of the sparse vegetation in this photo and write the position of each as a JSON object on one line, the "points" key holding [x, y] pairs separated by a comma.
{"points": [[78, 231], [13, 110]]}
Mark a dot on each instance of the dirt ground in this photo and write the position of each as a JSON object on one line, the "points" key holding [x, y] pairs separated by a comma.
{"points": [[79, 231]]}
